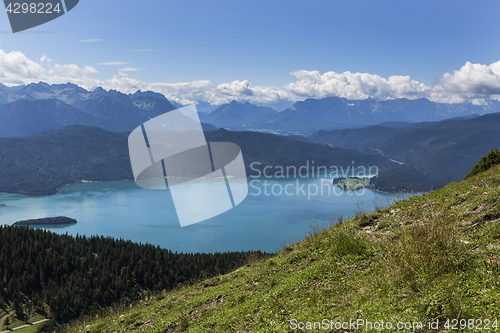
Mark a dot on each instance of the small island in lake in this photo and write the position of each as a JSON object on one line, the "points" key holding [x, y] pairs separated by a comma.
{"points": [[352, 183], [47, 221]]}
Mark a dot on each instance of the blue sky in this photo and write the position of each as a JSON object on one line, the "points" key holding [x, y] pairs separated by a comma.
{"points": [[257, 44]]}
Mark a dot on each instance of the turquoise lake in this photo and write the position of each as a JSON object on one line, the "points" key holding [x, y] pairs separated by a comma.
{"points": [[263, 221]]}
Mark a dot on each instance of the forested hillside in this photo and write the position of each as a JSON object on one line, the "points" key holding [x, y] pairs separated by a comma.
{"points": [[42, 163], [80, 275]]}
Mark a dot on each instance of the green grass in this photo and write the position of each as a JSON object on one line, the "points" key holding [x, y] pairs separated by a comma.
{"points": [[426, 258], [14, 322], [31, 329]]}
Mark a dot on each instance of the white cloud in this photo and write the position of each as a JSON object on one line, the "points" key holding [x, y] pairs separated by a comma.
{"points": [[44, 58], [15, 69], [88, 70], [112, 63], [473, 82], [90, 40], [186, 92], [125, 84], [236, 88], [312, 84], [72, 73], [131, 69], [122, 71]]}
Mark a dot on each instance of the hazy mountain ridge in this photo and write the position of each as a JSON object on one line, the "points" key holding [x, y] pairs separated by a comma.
{"points": [[140, 93], [69, 93], [39, 107], [276, 150], [303, 117], [450, 148], [444, 150], [8, 95], [25, 117], [441, 151], [401, 109], [118, 110], [363, 139], [152, 106], [42, 163], [311, 115], [234, 114]]}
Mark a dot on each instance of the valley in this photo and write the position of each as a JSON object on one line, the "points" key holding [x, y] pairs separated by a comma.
{"points": [[68, 149], [434, 153]]}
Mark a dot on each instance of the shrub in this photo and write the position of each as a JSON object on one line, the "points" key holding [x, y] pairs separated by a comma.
{"points": [[486, 162]]}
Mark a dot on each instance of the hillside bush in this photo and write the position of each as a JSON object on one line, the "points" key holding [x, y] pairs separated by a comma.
{"points": [[485, 163]]}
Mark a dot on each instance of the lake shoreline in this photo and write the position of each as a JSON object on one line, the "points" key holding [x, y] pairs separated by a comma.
{"points": [[121, 209]]}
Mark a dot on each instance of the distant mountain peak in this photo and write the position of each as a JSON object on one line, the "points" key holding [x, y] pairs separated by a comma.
{"points": [[149, 93], [228, 115], [40, 83]]}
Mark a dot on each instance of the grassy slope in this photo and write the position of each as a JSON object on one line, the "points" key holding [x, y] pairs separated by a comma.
{"points": [[428, 257], [14, 322]]}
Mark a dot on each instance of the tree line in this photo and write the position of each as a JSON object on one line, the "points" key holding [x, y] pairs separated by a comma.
{"points": [[80, 275]]}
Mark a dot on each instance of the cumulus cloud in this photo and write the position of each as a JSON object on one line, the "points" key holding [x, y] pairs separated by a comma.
{"points": [[309, 84], [187, 92], [473, 82], [312, 84], [16, 68], [72, 73], [236, 88], [88, 70], [46, 59], [125, 84]]}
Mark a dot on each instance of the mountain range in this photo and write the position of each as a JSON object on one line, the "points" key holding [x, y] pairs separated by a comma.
{"points": [[312, 115], [120, 112], [330, 113], [236, 113], [112, 111], [69, 93], [432, 151], [42, 163], [26, 117], [443, 150]]}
